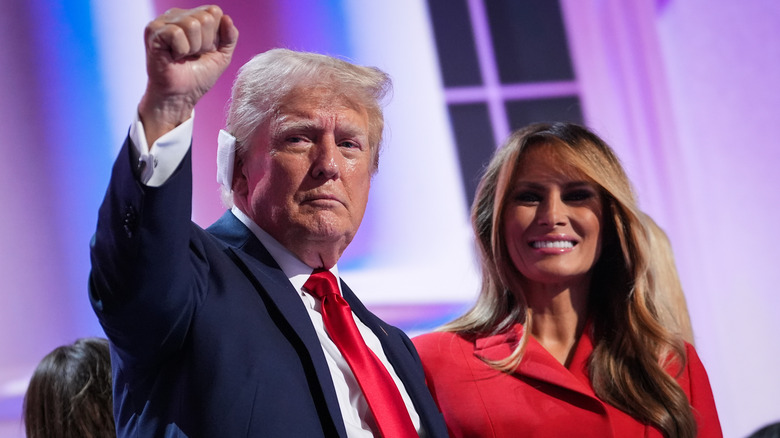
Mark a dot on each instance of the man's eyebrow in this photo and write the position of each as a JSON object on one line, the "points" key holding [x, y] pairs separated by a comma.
{"points": [[351, 130], [284, 126], [291, 123], [287, 124]]}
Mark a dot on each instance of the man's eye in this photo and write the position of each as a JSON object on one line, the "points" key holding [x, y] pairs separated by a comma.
{"points": [[295, 139], [349, 145]]}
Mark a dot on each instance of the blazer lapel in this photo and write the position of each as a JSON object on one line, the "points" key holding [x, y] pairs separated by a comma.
{"points": [[271, 282], [537, 363]]}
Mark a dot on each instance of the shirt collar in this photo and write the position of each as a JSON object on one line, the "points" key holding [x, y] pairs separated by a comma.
{"points": [[295, 270]]}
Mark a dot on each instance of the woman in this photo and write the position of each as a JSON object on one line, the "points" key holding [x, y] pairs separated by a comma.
{"points": [[69, 394], [565, 338]]}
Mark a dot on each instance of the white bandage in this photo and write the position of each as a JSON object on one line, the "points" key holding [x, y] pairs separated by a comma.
{"points": [[226, 154]]}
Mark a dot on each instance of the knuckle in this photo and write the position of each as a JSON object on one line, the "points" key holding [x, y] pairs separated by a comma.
{"points": [[188, 22], [212, 9], [207, 19], [177, 32], [154, 26]]}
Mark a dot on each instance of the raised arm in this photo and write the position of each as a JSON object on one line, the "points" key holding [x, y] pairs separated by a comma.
{"points": [[144, 257], [186, 52]]}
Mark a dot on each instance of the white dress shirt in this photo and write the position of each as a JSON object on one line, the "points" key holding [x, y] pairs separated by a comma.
{"points": [[157, 164]]}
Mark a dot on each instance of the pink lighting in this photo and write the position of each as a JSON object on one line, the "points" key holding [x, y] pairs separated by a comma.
{"points": [[686, 92]]}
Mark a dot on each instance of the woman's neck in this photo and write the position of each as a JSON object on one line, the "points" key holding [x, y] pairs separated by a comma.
{"points": [[559, 313]]}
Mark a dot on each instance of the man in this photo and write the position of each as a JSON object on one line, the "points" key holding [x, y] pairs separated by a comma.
{"points": [[240, 330]]}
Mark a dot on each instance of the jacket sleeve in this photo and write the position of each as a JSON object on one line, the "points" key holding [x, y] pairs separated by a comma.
{"points": [[700, 396], [148, 269]]}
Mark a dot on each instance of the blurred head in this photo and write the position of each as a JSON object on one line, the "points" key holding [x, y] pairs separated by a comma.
{"points": [[769, 431], [578, 157], [308, 129], [669, 296], [69, 394]]}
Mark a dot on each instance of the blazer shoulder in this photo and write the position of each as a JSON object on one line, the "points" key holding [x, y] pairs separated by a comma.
{"points": [[437, 340], [435, 347]]}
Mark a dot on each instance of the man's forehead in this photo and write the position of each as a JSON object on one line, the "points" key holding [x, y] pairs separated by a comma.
{"points": [[318, 108], [319, 96]]}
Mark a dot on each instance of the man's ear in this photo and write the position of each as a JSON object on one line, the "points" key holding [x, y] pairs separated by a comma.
{"points": [[239, 183]]}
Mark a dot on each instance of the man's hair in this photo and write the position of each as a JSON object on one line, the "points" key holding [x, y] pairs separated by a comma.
{"points": [[266, 80], [69, 395]]}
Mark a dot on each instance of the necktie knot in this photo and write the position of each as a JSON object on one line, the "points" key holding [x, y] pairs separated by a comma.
{"points": [[322, 283]]}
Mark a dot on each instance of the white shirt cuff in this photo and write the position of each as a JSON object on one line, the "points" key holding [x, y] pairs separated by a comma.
{"points": [[157, 164]]}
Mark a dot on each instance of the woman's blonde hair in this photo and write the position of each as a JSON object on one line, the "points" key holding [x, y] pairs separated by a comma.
{"points": [[631, 345]]}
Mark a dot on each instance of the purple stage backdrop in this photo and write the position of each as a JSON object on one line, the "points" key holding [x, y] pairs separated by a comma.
{"points": [[686, 92]]}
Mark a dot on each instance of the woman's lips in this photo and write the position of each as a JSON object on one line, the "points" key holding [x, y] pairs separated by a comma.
{"points": [[553, 244]]}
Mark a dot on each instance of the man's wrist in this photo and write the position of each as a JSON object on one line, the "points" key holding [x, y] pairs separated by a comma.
{"points": [[157, 162], [160, 116]]}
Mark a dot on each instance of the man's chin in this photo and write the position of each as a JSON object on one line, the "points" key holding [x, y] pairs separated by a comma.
{"points": [[324, 229]]}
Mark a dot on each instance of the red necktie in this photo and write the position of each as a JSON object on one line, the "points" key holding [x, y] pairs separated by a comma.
{"points": [[380, 390]]}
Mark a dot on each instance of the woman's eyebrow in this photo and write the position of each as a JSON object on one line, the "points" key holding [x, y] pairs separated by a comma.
{"points": [[529, 185], [578, 184]]}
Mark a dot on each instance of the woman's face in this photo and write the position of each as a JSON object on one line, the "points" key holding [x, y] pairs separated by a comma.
{"points": [[553, 220]]}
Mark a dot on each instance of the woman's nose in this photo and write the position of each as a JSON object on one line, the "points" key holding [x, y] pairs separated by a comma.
{"points": [[552, 212]]}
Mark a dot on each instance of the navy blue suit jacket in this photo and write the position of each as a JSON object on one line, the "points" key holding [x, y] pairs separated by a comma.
{"points": [[208, 336]]}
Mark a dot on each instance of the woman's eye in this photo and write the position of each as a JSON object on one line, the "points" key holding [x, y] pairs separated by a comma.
{"points": [[578, 195], [528, 197]]}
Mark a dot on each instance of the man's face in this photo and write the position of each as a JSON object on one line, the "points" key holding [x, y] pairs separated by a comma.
{"points": [[306, 175]]}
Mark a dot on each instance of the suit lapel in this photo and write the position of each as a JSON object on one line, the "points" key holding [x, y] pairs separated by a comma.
{"points": [[368, 318], [271, 282], [402, 357]]}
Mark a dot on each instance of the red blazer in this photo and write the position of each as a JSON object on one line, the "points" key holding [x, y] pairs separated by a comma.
{"points": [[542, 398]]}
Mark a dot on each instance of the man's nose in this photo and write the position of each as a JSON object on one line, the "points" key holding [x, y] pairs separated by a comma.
{"points": [[325, 160]]}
